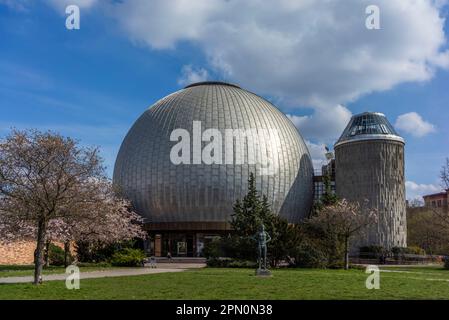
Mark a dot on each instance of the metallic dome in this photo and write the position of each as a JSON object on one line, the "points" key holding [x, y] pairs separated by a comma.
{"points": [[164, 192]]}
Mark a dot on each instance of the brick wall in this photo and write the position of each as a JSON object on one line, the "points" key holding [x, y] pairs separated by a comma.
{"points": [[22, 252], [17, 253]]}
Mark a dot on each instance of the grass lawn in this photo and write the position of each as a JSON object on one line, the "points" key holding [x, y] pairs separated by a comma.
{"points": [[212, 283], [28, 270]]}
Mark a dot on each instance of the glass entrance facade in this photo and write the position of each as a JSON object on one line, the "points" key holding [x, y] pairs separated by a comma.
{"points": [[179, 244]]}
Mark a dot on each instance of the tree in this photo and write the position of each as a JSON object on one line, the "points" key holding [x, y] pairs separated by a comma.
{"points": [[343, 221], [255, 209], [51, 188], [250, 212], [329, 197], [285, 238], [444, 175], [442, 213], [427, 229], [416, 203], [107, 219], [110, 220], [323, 238]]}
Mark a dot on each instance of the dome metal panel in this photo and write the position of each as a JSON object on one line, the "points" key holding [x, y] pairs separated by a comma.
{"points": [[164, 192]]}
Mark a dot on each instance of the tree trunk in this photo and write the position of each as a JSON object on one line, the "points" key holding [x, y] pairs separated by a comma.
{"points": [[346, 253], [38, 253], [47, 254], [66, 253]]}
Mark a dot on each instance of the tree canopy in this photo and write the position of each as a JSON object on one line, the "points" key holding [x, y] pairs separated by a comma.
{"points": [[53, 189]]}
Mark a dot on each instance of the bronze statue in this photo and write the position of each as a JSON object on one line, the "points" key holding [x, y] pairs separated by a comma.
{"points": [[262, 238]]}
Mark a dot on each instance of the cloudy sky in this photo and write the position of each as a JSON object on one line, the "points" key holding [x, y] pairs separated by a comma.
{"points": [[314, 59]]}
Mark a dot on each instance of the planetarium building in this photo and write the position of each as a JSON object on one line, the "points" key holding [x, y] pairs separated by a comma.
{"points": [[187, 159]]}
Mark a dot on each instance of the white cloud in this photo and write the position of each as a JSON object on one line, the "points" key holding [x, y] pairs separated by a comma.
{"points": [[324, 125], [416, 191], [314, 53], [161, 24], [191, 75], [317, 152], [413, 124], [310, 53]]}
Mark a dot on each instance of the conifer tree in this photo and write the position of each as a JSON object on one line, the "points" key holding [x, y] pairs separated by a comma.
{"points": [[250, 212]]}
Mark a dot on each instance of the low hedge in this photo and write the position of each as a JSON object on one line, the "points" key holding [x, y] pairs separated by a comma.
{"points": [[128, 258], [94, 264], [408, 250], [446, 262], [230, 263], [372, 252]]}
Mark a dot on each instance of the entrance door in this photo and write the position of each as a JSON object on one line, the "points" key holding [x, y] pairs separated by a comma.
{"points": [[190, 246]]}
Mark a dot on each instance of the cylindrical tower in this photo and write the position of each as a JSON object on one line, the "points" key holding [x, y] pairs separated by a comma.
{"points": [[369, 165]]}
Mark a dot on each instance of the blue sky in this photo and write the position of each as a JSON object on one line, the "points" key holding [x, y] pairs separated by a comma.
{"points": [[94, 82]]}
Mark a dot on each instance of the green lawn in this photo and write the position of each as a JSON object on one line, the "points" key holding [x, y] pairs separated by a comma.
{"points": [[211, 283]]}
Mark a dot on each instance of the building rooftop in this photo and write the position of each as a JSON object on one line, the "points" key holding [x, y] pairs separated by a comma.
{"points": [[207, 83], [437, 195], [368, 126]]}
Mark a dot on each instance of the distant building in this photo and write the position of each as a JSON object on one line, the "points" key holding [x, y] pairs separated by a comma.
{"points": [[327, 170], [437, 200]]}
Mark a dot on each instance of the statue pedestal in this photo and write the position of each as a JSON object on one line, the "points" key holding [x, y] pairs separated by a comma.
{"points": [[263, 273]]}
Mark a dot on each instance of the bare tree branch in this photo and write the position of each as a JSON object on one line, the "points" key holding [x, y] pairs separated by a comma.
{"points": [[444, 175]]}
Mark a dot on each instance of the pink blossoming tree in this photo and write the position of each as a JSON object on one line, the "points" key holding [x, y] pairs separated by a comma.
{"points": [[51, 189]]}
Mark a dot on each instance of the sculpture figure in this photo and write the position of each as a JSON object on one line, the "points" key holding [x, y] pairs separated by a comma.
{"points": [[262, 238]]}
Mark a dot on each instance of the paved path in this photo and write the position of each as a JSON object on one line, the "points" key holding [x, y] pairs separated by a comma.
{"points": [[422, 265], [161, 268]]}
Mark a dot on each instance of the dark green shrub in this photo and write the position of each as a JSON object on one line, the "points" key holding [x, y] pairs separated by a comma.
{"points": [[217, 262], [325, 243], [372, 252], [242, 264], [401, 253], [415, 250], [446, 262], [128, 258], [230, 263], [56, 255], [309, 256], [398, 250], [95, 265], [357, 267], [236, 247], [214, 248], [94, 252], [241, 248]]}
